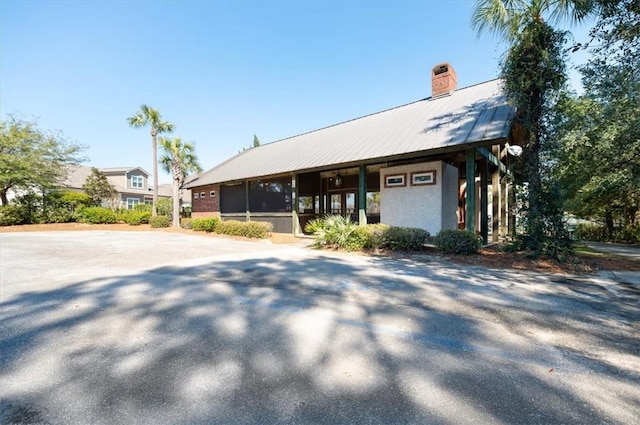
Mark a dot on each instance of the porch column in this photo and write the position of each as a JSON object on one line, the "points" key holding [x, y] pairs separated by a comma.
{"points": [[470, 216], [295, 220], [362, 196], [247, 213], [503, 207], [495, 199], [484, 200]]}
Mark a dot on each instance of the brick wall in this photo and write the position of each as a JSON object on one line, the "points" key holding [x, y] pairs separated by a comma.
{"points": [[205, 204]]}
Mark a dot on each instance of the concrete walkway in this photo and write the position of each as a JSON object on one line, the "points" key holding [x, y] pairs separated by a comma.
{"points": [[630, 278], [624, 250]]}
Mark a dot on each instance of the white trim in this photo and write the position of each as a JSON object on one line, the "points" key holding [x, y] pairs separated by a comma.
{"points": [[133, 204], [137, 176]]}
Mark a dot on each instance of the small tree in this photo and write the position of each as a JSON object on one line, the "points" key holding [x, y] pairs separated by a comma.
{"points": [[98, 187], [32, 159], [179, 160], [256, 143]]}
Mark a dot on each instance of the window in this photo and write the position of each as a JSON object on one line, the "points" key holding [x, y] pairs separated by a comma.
{"points": [[306, 205], [212, 194], [395, 180], [423, 178], [272, 195], [202, 195], [373, 202], [132, 202], [137, 182], [195, 195]]}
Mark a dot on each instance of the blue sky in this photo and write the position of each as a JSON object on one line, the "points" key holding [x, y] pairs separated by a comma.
{"points": [[222, 71]]}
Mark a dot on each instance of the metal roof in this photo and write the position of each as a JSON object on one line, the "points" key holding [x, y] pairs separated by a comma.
{"points": [[470, 115]]}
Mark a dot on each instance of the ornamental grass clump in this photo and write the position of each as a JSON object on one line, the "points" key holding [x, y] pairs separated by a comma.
{"points": [[333, 231]]}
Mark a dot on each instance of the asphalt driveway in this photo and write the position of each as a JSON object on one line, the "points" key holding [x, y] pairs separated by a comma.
{"points": [[165, 328]]}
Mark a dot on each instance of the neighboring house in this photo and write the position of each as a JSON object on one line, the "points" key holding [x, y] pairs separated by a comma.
{"points": [[131, 183], [413, 165]]}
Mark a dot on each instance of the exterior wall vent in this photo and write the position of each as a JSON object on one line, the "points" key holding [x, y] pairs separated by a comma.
{"points": [[444, 80]]}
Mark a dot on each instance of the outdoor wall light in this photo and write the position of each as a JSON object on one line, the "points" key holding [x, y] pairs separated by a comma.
{"points": [[514, 150], [338, 180]]}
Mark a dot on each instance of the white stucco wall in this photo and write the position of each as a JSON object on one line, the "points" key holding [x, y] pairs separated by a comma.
{"points": [[430, 207]]}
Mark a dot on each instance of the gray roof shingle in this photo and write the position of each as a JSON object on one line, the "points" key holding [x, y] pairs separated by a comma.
{"points": [[474, 114]]}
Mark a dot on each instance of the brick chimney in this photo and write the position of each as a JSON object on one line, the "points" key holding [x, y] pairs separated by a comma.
{"points": [[444, 80]]}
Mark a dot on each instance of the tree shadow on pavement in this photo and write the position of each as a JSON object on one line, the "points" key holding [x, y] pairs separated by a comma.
{"points": [[318, 340]]}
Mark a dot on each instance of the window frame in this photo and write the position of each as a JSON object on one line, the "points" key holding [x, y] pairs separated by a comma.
{"points": [[401, 183], [131, 205], [135, 177], [420, 174]]}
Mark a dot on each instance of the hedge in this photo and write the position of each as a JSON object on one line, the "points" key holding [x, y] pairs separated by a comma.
{"points": [[97, 215], [458, 242], [248, 229], [135, 217], [159, 221], [208, 224]]}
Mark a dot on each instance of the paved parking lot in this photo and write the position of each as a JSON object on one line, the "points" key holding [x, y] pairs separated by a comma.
{"points": [[153, 328]]}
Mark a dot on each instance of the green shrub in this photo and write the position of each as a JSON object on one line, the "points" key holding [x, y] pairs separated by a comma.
{"points": [[369, 236], [358, 239], [135, 217], [207, 224], [376, 235], [12, 215], [159, 221], [630, 234], [249, 229], [186, 223], [75, 200], [97, 215], [591, 232], [405, 238], [165, 207], [142, 207], [458, 242]]}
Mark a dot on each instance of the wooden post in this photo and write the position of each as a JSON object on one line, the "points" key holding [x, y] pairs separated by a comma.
{"points": [[495, 199], [484, 200], [247, 214], [470, 216], [362, 195], [295, 220]]}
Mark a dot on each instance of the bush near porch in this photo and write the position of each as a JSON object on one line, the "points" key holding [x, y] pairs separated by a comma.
{"points": [[336, 231], [247, 229], [458, 242]]}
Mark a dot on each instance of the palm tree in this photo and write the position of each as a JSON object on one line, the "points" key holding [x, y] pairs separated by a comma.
{"points": [[147, 116], [508, 18], [179, 160], [533, 71]]}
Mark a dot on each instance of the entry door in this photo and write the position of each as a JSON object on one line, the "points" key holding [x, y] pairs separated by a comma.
{"points": [[345, 204]]}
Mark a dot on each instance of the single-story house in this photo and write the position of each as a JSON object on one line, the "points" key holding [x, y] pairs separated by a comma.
{"points": [[131, 184], [435, 164]]}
